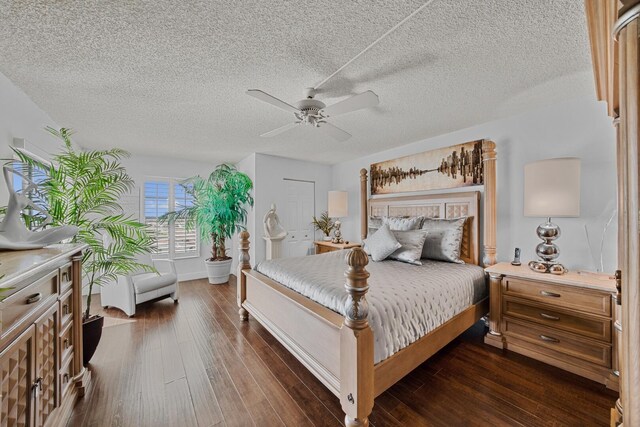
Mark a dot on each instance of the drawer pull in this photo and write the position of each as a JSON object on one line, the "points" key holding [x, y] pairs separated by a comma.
{"points": [[65, 309], [34, 298], [549, 317], [549, 294], [549, 339], [65, 378], [65, 276], [65, 343]]}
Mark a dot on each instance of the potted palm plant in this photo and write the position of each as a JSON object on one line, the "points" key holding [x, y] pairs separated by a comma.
{"points": [[324, 224], [219, 210], [84, 188]]}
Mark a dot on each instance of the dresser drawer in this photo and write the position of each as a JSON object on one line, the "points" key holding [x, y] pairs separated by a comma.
{"points": [[27, 301], [66, 343], [553, 339], [549, 315], [66, 279], [66, 308], [66, 375], [586, 300]]}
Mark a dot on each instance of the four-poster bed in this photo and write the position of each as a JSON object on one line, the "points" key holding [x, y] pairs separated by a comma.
{"points": [[339, 350]]}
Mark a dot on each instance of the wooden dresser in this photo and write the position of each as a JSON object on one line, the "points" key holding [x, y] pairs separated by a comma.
{"points": [[41, 372], [566, 321], [323, 247]]}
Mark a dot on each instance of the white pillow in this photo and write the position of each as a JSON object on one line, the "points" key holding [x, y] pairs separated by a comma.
{"points": [[396, 223], [381, 244], [412, 242]]}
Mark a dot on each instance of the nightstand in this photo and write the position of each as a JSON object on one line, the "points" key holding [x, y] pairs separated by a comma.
{"points": [[566, 321], [323, 247]]}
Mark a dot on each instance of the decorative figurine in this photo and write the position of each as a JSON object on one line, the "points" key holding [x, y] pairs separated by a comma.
{"points": [[14, 234], [272, 227]]}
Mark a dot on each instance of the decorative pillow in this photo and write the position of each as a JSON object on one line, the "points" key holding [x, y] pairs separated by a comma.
{"points": [[397, 223], [444, 239], [381, 244], [412, 243]]}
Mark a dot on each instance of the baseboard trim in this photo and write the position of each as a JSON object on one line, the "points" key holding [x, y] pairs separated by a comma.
{"points": [[183, 277]]}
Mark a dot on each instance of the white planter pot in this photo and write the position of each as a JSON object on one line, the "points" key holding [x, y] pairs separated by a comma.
{"points": [[218, 271]]}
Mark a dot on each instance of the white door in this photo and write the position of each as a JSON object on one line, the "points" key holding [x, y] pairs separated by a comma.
{"points": [[298, 216]]}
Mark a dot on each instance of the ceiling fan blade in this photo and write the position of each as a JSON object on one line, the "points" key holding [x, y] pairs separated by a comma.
{"points": [[334, 132], [356, 102], [280, 130], [265, 97]]}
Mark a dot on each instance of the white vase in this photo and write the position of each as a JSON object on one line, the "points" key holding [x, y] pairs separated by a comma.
{"points": [[218, 271]]}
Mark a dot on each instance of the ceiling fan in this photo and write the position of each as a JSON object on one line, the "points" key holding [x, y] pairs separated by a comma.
{"points": [[310, 111]]}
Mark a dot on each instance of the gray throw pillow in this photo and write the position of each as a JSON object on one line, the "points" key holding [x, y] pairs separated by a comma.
{"points": [[412, 243], [444, 239], [396, 223], [381, 244]]}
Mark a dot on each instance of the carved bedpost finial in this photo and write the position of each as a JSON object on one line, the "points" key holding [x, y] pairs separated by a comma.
{"points": [[243, 264], [356, 309], [244, 258]]}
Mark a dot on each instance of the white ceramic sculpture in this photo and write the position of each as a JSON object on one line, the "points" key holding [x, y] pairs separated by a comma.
{"points": [[272, 227], [14, 234], [274, 233]]}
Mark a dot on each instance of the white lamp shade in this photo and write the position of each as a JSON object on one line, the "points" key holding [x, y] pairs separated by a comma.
{"points": [[552, 188], [338, 204]]}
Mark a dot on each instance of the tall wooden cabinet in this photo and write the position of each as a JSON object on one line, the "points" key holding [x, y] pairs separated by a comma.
{"points": [[614, 31], [41, 373]]}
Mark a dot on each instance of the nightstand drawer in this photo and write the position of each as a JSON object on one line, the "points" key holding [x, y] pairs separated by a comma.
{"points": [[586, 300], [323, 249], [550, 338], [580, 324]]}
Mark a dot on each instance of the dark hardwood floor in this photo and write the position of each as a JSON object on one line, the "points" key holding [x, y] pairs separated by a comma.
{"points": [[195, 364]]}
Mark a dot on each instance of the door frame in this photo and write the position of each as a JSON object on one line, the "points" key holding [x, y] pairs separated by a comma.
{"points": [[314, 198]]}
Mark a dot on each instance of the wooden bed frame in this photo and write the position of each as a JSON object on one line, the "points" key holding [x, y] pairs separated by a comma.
{"points": [[337, 349]]}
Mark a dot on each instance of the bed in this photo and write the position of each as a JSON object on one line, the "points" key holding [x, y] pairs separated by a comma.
{"points": [[331, 318]]}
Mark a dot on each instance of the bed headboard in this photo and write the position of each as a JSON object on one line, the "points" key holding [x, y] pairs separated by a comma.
{"points": [[451, 204]]}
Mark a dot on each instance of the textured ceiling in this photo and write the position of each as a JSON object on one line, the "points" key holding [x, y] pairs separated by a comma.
{"points": [[168, 78]]}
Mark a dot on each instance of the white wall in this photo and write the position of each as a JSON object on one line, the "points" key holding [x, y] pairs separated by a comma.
{"points": [[577, 128], [140, 168], [269, 173], [22, 118]]}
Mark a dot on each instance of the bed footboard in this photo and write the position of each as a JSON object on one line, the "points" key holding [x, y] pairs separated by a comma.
{"points": [[337, 350]]}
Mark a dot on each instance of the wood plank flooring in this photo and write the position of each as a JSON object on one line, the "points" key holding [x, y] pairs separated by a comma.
{"points": [[195, 364]]}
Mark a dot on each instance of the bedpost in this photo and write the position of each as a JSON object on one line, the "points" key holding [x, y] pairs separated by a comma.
{"points": [[490, 211], [356, 345], [364, 211], [241, 280]]}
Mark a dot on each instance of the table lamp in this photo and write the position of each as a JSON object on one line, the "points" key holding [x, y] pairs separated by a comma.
{"points": [[338, 209], [551, 189]]}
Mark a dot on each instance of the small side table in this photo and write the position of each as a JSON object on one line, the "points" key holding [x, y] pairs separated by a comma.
{"points": [[323, 247]]}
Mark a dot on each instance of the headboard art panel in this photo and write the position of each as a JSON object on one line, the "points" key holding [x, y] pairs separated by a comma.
{"points": [[451, 205]]}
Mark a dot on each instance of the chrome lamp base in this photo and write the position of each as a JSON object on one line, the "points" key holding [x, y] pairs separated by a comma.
{"points": [[337, 234], [548, 251]]}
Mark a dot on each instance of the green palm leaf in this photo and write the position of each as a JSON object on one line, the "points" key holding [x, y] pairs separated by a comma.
{"points": [[219, 207]]}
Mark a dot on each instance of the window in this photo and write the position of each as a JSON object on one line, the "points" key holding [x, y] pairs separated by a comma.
{"points": [[25, 180], [172, 240]]}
